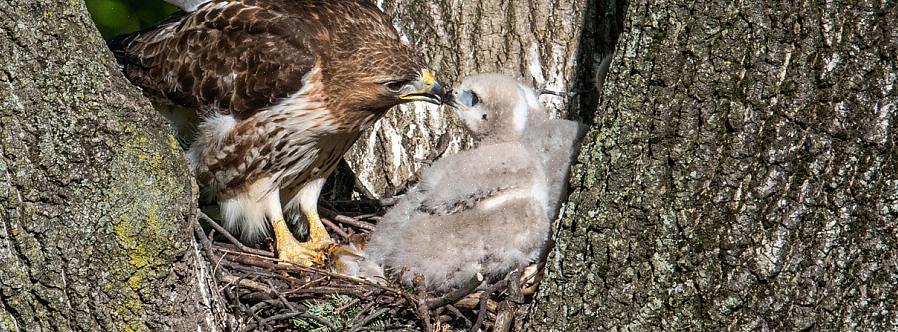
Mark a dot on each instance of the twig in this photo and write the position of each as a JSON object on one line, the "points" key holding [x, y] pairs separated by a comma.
{"points": [[505, 317], [391, 328], [345, 219], [252, 327], [326, 291], [230, 237], [337, 229], [367, 216], [272, 290], [270, 263], [206, 244], [243, 282], [481, 313], [271, 303], [472, 302], [456, 294], [268, 294], [515, 289], [346, 306], [321, 320], [236, 252], [361, 312], [367, 319], [259, 320], [423, 311], [275, 292], [564, 94], [458, 314], [314, 281]]}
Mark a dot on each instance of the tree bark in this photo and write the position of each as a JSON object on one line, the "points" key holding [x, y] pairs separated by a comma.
{"points": [[95, 230], [537, 41], [742, 175]]}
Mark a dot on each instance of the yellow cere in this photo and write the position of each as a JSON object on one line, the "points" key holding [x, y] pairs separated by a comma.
{"points": [[427, 77]]}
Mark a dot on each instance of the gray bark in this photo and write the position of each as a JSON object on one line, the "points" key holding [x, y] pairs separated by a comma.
{"points": [[742, 175], [95, 228], [536, 41]]}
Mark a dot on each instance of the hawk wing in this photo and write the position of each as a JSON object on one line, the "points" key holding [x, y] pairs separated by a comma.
{"points": [[475, 178], [226, 56], [555, 143]]}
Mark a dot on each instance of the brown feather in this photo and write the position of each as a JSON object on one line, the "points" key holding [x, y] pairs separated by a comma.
{"points": [[237, 57], [279, 90]]}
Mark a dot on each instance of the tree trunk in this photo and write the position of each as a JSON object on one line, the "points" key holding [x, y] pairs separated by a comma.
{"points": [[537, 41], [95, 231], [742, 175]]}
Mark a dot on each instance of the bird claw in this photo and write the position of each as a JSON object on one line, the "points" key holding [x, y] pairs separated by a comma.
{"points": [[312, 253]]}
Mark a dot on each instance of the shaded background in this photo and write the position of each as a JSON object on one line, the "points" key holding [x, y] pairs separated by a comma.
{"points": [[115, 17]]}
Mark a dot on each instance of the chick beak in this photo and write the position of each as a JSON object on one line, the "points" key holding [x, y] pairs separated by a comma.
{"points": [[426, 88]]}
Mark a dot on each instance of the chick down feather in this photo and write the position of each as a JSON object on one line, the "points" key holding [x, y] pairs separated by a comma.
{"points": [[487, 210]]}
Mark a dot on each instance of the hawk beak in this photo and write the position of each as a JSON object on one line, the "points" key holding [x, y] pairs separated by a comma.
{"points": [[426, 88]]}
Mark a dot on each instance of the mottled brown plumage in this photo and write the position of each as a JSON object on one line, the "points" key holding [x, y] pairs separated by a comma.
{"points": [[269, 95]]}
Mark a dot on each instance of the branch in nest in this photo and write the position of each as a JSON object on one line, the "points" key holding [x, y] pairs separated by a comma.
{"points": [[360, 324], [472, 302], [456, 294], [329, 214], [484, 298], [504, 317], [243, 282], [337, 229], [269, 263], [423, 311], [229, 237]]}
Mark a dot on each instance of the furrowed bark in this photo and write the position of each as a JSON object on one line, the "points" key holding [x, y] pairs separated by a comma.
{"points": [[742, 174], [95, 230], [536, 41]]}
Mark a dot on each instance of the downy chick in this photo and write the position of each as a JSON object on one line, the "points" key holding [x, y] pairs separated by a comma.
{"points": [[487, 210]]}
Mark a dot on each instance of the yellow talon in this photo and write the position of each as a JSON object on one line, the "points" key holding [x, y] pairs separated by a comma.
{"points": [[310, 253]]}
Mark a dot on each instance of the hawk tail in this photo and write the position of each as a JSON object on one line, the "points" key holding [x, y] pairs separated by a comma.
{"points": [[119, 46]]}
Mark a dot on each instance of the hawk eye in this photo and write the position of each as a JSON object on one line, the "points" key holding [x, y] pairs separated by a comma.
{"points": [[394, 86]]}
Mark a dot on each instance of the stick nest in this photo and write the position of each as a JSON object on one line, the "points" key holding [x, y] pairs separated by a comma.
{"points": [[265, 295]]}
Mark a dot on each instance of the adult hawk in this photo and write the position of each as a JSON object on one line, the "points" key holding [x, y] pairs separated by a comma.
{"points": [[269, 95]]}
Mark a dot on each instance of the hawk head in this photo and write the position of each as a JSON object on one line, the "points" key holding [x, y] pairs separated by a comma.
{"points": [[372, 69]]}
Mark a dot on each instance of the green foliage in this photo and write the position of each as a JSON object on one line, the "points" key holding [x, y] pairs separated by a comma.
{"points": [[327, 309], [115, 17]]}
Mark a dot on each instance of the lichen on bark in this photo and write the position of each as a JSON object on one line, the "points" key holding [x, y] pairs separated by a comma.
{"points": [[742, 175], [94, 231]]}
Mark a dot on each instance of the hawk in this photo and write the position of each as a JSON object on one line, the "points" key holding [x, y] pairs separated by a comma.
{"points": [[488, 209], [269, 95]]}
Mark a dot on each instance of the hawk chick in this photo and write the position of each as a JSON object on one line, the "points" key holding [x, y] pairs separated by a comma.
{"points": [[269, 95], [487, 210]]}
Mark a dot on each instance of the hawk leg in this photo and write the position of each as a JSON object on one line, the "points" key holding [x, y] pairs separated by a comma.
{"points": [[314, 251], [309, 253]]}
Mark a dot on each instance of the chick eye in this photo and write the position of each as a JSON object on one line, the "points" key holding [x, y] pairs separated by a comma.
{"points": [[394, 86], [475, 100], [483, 116]]}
